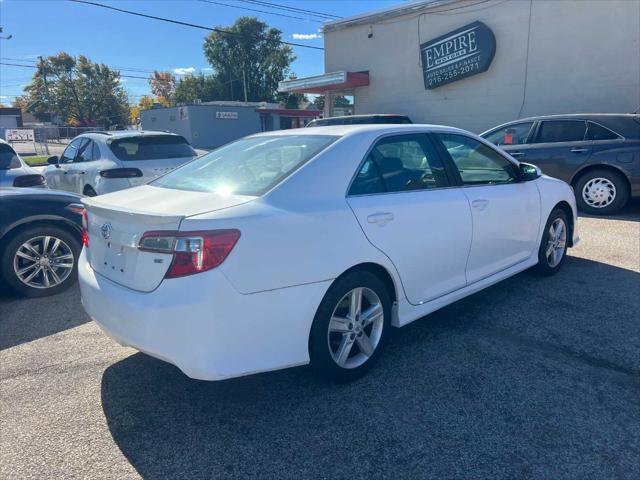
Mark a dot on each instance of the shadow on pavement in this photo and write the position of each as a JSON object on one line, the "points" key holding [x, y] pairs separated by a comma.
{"points": [[23, 320], [630, 213], [533, 377]]}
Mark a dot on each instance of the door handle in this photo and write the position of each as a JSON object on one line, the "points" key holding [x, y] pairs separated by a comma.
{"points": [[579, 150], [381, 218], [480, 203], [516, 154]]}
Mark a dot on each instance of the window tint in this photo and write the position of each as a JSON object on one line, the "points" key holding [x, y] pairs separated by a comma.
{"points": [[151, 147], [86, 152], [512, 135], [561, 131], [250, 166], [478, 163], [400, 163], [70, 152], [8, 157], [597, 132]]}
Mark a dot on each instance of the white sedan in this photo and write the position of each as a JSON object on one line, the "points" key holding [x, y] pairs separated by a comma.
{"points": [[308, 246]]}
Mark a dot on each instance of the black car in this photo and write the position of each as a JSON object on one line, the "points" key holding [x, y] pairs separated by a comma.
{"points": [[40, 240], [360, 120], [598, 154]]}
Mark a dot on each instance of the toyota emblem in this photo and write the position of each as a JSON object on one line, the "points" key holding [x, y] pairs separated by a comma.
{"points": [[105, 230]]}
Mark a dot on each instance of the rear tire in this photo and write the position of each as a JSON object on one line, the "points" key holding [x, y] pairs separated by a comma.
{"points": [[22, 255], [346, 339], [601, 191], [553, 246]]}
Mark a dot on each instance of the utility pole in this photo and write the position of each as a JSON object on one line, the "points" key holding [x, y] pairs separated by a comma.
{"points": [[244, 82], [231, 85], [46, 94]]}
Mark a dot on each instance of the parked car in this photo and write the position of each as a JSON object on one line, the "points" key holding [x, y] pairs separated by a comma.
{"points": [[308, 245], [14, 172], [361, 120], [598, 154], [101, 162], [40, 240]]}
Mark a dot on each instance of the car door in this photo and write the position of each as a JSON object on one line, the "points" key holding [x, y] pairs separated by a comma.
{"points": [[558, 147], [402, 200], [58, 176], [76, 171], [505, 211]]}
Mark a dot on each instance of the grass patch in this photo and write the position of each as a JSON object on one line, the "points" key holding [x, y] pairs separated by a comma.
{"points": [[36, 160]]}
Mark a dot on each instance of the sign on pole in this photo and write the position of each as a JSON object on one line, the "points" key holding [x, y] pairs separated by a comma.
{"points": [[19, 135]]}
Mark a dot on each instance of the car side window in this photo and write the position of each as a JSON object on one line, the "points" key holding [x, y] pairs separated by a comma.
{"points": [[477, 163], [598, 132], [517, 134], [554, 131], [95, 151], [400, 163], [71, 151], [85, 152]]}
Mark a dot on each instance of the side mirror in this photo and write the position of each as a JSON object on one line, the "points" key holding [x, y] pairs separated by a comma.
{"points": [[529, 172], [53, 160]]}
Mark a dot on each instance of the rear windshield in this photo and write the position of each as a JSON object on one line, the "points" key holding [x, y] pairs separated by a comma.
{"points": [[360, 121], [151, 147], [250, 166], [8, 157]]}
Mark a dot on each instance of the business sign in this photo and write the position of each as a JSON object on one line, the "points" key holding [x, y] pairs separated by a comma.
{"points": [[18, 135], [458, 54], [227, 115]]}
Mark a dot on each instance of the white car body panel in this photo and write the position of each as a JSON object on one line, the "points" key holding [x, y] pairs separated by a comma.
{"points": [[254, 312]]}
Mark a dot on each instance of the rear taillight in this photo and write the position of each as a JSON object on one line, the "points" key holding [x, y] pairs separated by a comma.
{"points": [[85, 228], [34, 180], [121, 173], [193, 252]]}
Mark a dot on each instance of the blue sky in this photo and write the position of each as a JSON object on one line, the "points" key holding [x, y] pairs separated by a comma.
{"points": [[46, 27]]}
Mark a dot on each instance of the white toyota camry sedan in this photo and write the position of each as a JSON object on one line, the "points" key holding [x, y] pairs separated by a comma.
{"points": [[309, 246]]}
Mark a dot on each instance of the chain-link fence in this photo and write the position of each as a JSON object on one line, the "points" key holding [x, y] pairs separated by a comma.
{"points": [[41, 140]]}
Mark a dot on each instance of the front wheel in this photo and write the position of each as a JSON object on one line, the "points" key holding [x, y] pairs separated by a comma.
{"points": [[350, 327], [553, 247]]}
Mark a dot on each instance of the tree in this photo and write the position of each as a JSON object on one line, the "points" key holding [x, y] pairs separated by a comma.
{"points": [[146, 102], [162, 84], [251, 59], [78, 90], [203, 88], [338, 101], [134, 115]]}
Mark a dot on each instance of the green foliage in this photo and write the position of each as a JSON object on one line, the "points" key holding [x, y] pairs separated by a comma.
{"points": [[203, 88], [254, 56], [78, 90]]}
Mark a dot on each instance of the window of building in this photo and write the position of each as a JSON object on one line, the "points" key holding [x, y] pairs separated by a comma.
{"points": [[554, 131], [477, 163]]}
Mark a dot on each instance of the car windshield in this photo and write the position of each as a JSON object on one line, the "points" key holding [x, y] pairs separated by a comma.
{"points": [[250, 166], [8, 157], [151, 147]]}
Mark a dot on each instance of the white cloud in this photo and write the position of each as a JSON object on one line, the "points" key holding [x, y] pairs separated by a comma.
{"points": [[3, 97], [206, 69], [184, 70], [306, 36]]}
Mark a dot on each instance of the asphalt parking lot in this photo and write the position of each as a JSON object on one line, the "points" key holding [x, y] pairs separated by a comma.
{"points": [[532, 378]]}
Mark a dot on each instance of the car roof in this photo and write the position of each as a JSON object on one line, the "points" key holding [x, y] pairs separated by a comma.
{"points": [[123, 134], [343, 130]]}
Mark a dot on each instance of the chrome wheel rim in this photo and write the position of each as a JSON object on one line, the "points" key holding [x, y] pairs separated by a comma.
{"points": [[43, 262], [355, 328], [599, 192], [556, 243]]}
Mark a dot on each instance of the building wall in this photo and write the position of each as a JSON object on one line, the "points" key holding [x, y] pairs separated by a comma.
{"points": [[583, 56], [201, 127]]}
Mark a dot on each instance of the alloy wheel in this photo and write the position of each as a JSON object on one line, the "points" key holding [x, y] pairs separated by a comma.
{"points": [[599, 192], [355, 327], [556, 242], [43, 262]]}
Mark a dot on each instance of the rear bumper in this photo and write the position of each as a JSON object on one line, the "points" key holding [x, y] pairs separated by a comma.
{"points": [[203, 325]]}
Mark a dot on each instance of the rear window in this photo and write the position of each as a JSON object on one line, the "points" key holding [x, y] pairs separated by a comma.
{"points": [[8, 157], [562, 131], [347, 120], [598, 132], [151, 148], [250, 166]]}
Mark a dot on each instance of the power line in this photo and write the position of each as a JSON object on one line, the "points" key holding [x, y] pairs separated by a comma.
{"points": [[291, 9], [187, 24], [259, 11]]}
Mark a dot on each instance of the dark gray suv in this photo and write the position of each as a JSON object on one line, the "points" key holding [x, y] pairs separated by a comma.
{"points": [[598, 154]]}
